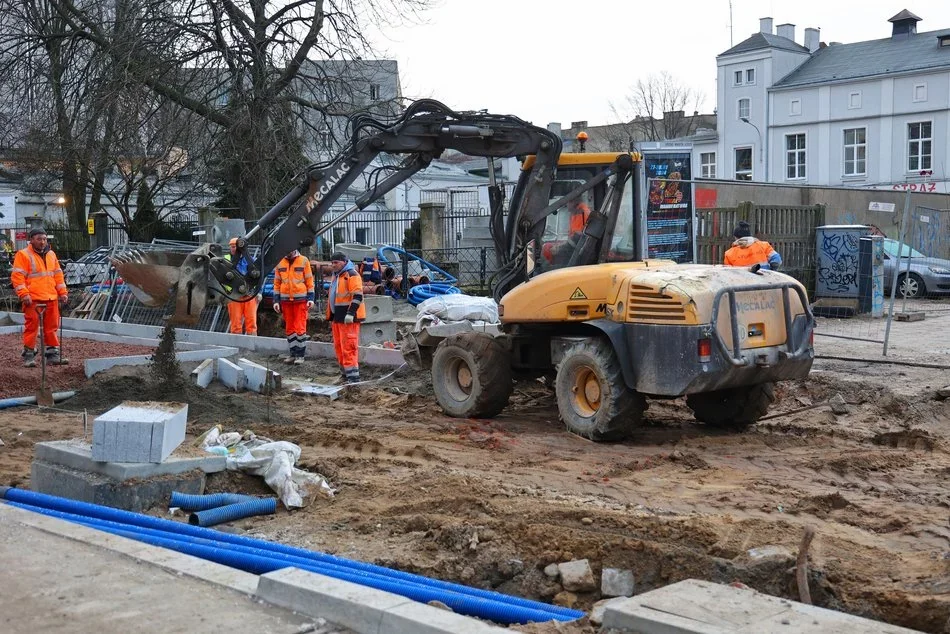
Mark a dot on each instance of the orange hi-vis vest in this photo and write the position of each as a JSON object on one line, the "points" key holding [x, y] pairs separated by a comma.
{"points": [[579, 219], [349, 284], [293, 280], [38, 276], [756, 253]]}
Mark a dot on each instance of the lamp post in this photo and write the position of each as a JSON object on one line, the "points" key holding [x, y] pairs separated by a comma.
{"points": [[758, 132]]}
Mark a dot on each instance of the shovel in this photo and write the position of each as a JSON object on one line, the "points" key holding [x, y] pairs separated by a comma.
{"points": [[44, 396]]}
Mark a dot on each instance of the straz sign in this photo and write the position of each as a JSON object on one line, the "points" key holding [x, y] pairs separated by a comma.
{"points": [[916, 187]]}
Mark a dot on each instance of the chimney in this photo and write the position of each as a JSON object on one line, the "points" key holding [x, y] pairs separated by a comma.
{"points": [[812, 37], [555, 127], [765, 25], [905, 24], [787, 31]]}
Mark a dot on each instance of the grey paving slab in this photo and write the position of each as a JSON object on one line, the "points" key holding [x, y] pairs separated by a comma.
{"points": [[78, 455]]}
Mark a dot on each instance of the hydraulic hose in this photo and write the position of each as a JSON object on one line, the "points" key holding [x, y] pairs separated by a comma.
{"points": [[259, 561], [135, 519], [231, 512], [189, 502], [422, 292]]}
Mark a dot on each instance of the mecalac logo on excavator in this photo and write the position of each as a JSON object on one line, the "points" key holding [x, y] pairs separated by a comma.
{"points": [[327, 185]]}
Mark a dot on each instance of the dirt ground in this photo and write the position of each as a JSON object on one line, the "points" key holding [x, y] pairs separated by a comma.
{"points": [[491, 502]]}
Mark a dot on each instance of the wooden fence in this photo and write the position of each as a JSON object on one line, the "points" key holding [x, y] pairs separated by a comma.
{"points": [[789, 229]]}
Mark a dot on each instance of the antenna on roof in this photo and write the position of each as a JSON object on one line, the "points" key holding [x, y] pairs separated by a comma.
{"points": [[730, 23]]}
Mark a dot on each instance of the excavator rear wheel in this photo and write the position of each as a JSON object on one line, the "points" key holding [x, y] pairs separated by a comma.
{"points": [[471, 375], [736, 407], [592, 397]]}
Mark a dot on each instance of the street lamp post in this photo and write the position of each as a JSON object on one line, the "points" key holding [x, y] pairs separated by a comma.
{"points": [[758, 132]]}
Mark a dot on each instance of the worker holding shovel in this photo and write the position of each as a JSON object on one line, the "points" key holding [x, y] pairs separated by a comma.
{"points": [[38, 279]]}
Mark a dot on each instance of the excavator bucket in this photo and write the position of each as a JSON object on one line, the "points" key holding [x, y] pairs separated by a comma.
{"points": [[158, 278]]}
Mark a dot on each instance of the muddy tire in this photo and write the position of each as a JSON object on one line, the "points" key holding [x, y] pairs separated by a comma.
{"points": [[734, 408], [471, 375], [592, 397]]}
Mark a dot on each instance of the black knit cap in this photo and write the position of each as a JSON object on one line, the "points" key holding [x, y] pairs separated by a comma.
{"points": [[35, 231], [338, 256], [743, 230]]}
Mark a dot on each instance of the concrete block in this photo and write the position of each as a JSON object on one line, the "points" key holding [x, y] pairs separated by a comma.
{"points": [[615, 582], [94, 366], [377, 333], [136, 495], [230, 374], [702, 607], [419, 618], [204, 373], [258, 378], [354, 606], [577, 576], [139, 432], [78, 455], [379, 308]]}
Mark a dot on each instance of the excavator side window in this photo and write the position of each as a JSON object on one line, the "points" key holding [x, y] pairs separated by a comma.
{"points": [[623, 245], [564, 227]]}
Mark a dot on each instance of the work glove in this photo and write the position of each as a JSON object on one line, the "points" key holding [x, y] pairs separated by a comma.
{"points": [[349, 319], [63, 300], [27, 300], [309, 304], [276, 307], [259, 298]]}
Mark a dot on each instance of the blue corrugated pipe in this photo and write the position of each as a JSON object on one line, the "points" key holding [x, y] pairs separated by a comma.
{"points": [[190, 502], [231, 512], [381, 254], [146, 521], [259, 561]]}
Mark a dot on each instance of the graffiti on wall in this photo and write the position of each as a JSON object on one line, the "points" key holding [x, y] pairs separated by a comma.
{"points": [[838, 263]]}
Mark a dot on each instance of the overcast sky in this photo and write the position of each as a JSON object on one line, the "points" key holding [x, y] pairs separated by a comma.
{"points": [[558, 60]]}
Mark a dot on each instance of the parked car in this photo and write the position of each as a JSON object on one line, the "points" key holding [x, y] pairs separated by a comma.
{"points": [[927, 276]]}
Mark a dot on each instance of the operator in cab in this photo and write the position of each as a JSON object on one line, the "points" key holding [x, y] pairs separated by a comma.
{"points": [[748, 250]]}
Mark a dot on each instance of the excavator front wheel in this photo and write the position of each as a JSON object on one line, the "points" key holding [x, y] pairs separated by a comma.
{"points": [[735, 408], [471, 375], [592, 398]]}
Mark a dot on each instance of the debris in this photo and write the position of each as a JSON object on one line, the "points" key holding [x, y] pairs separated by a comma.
{"points": [[769, 552], [565, 599], [801, 573], [943, 393], [597, 610], [551, 571], [615, 582], [438, 604], [838, 405], [576, 575], [586, 521]]}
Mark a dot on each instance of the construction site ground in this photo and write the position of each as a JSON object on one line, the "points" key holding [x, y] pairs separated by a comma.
{"points": [[490, 503]]}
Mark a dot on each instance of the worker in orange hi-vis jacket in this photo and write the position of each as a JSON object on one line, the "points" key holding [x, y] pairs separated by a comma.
{"points": [[293, 298], [345, 312], [38, 279], [748, 250], [242, 313]]}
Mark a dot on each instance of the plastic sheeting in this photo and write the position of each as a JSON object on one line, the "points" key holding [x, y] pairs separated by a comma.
{"points": [[453, 308]]}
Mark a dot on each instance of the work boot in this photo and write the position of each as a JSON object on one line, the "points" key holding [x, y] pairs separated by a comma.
{"points": [[355, 378], [298, 361], [29, 358], [53, 357], [289, 359]]}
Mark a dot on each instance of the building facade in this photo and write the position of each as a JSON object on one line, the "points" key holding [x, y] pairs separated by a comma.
{"points": [[872, 114]]}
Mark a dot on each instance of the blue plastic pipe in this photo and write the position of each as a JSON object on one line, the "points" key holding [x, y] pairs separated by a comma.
{"points": [[422, 292], [231, 512], [87, 510], [381, 253], [190, 502], [259, 561], [17, 401]]}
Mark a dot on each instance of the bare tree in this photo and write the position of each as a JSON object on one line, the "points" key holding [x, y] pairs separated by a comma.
{"points": [[257, 73], [658, 107]]}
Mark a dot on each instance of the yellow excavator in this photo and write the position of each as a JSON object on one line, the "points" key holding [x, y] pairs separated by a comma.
{"points": [[576, 296]]}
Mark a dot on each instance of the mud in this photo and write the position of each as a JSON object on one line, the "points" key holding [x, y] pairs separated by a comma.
{"points": [[491, 502]]}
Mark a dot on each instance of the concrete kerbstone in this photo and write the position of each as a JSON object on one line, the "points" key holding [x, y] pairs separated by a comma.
{"points": [[258, 378], [418, 618], [78, 455], [139, 432], [203, 375], [94, 366], [231, 374]]}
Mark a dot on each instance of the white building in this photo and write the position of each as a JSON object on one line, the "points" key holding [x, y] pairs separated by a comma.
{"points": [[868, 114]]}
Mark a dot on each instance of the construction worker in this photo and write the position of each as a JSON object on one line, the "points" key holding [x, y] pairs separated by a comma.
{"points": [[242, 312], [580, 213], [38, 279], [345, 311], [293, 298], [748, 250]]}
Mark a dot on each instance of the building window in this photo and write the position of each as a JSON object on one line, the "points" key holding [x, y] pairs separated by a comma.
{"points": [[374, 92], [707, 162], [854, 100], [737, 78], [794, 156], [855, 152], [750, 76], [920, 92], [362, 235], [745, 108], [794, 107], [339, 235], [918, 146], [743, 163]]}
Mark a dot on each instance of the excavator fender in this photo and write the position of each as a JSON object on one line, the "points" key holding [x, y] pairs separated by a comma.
{"points": [[615, 333]]}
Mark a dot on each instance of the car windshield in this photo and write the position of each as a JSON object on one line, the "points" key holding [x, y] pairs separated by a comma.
{"points": [[890, 248]]}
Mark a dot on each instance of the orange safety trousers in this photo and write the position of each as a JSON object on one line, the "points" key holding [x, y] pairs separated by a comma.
{"points": [[32, 324], [346, 342], [243, 317], [295, 326]]}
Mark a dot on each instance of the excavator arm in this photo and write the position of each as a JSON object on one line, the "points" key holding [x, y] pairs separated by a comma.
{"points": [[419, 135]]}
